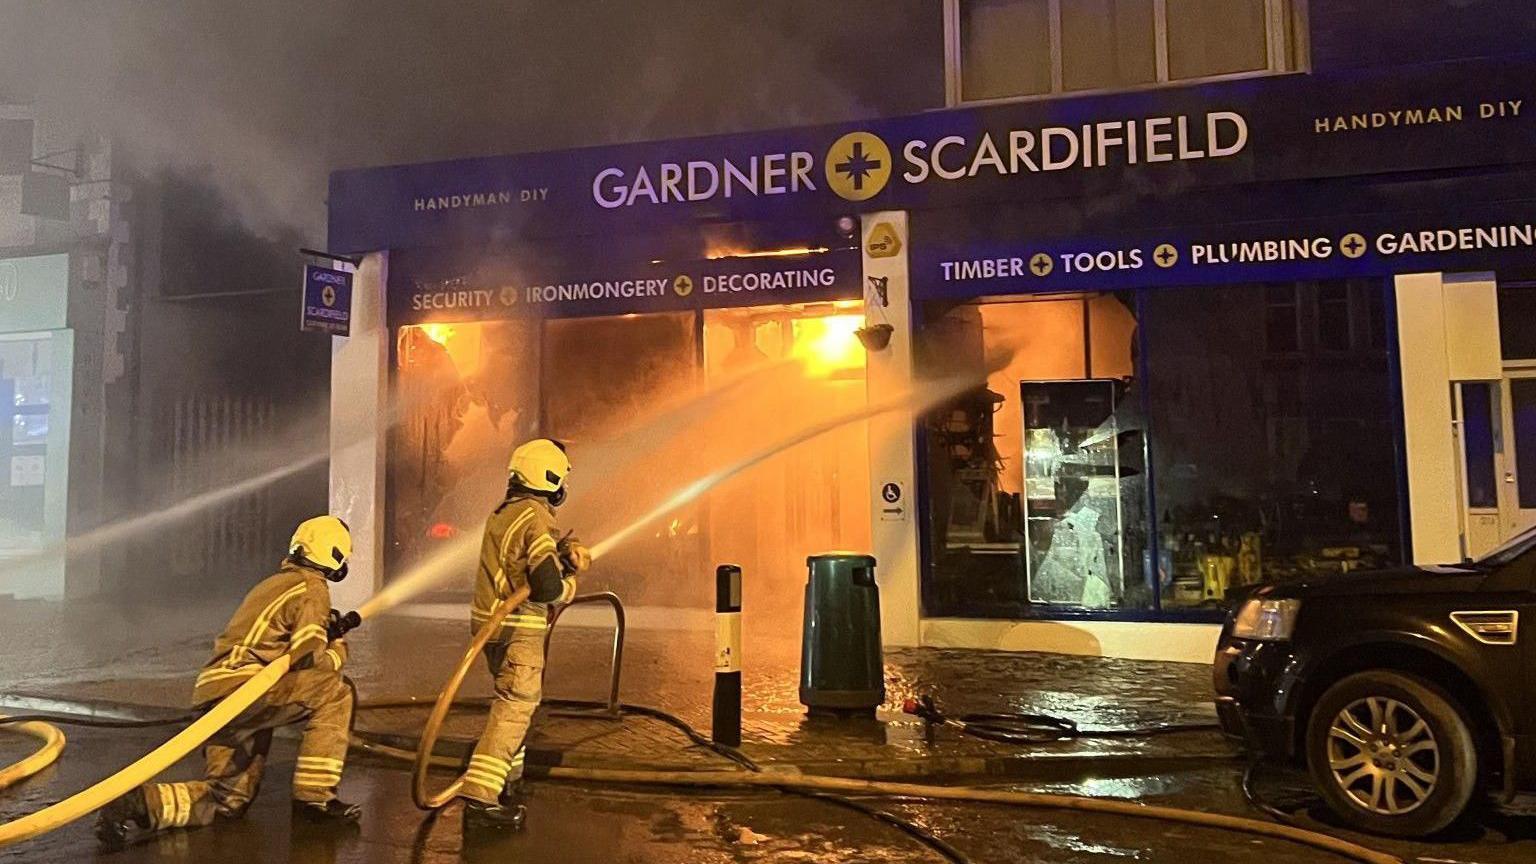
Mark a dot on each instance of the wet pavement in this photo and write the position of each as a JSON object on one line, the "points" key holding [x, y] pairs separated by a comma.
{"points": [[581, 823], [668, 663], [145, 658]]}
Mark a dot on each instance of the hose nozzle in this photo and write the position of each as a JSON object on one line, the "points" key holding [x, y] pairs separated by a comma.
{"points": [[339, 624]]}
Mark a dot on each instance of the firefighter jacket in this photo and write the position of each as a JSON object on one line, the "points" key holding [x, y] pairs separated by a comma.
{"points": [[519, 549], [285, 613]]}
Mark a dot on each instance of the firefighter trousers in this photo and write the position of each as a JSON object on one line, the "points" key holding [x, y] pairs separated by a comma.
{"points": [[518, 665], [237, 755]]}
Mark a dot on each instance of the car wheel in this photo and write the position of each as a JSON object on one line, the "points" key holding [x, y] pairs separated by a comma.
{"points": [[1392, 754]]}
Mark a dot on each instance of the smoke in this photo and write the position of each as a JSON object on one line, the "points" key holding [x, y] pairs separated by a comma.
{"points": [[270, 97]]}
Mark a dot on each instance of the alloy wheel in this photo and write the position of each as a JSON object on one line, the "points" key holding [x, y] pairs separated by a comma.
{"points": [[1383, 755]]}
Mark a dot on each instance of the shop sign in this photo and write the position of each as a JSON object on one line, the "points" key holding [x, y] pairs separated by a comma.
{"points": [[620, 287], [34, 293], [1275, 128], [1378, 244], [883, 241], [327, 300]]}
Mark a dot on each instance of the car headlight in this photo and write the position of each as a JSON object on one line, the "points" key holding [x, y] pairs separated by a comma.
{"points": [[1266, 620]]}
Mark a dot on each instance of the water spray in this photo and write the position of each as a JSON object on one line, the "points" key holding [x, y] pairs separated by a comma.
{"points": [[116, 532], [450, 560]]}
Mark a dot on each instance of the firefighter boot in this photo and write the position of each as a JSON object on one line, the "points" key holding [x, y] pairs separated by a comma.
{"points": [[330, 812], [122, 821], [515, 794], [503, 818]]}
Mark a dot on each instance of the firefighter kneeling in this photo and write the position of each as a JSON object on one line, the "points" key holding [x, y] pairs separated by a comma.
{"points": [[520, 548], [288, 612]]}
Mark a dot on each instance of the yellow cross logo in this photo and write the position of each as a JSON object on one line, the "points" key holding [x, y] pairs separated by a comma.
{"points": [[858, 166], [682, 286]]}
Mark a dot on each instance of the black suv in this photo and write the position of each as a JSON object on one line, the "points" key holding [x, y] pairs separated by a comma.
{"points": [[1406, 691]]}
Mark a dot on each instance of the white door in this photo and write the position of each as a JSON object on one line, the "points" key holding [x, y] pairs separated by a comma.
{"points": [[1479, 428], [1517, 497]]}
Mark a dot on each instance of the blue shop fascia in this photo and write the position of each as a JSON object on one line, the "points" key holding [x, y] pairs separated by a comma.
{"points": [[1227, 332]]}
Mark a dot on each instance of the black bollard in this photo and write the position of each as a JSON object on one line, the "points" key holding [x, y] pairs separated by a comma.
{"points": [[726, 721]]}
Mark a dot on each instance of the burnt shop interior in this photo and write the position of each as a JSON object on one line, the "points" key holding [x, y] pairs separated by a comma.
{"points": [[647, 401]]}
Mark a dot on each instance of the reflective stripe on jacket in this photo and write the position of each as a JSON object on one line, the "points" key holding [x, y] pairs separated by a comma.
{"points": [[519, 537], [285, 612]]}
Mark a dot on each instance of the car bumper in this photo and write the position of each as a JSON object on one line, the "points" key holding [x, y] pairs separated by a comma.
{"points": [[1255, 686]]}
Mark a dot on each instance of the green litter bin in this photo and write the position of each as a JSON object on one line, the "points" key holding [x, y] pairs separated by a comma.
{"points": [[842, 667]]}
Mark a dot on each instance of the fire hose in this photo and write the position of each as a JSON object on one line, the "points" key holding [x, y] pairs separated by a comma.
{"points": [[53, 745], [423, 760]]}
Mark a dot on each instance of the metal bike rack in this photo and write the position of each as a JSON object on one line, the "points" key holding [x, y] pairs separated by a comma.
{"points": [[612, 711]]}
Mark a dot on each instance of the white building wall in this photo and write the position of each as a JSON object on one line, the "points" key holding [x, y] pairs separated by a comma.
{"points": [[1448, 331], [892, 446], [359, 431]]}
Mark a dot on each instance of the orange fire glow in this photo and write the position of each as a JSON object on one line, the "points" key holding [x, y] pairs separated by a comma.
{"points": [[716, 253], [439, 333], [828, 344]]}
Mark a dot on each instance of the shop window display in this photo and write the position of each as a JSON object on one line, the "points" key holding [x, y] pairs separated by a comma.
{"points": [[1266, 467], [25, 392], [1263, 465], [1034, 482]]}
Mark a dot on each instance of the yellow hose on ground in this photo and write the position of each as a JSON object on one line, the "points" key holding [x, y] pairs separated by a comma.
{"points": [[425, 799], [53, 745], [149, 765]]}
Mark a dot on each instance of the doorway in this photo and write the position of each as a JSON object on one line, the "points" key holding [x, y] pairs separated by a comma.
{"points": [[1517, 489]]}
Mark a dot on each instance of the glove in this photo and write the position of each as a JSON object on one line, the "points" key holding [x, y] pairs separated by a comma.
{"points": [[574, 557], [338, 625]]}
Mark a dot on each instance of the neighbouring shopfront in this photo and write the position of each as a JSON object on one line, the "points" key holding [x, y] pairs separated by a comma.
{"points": [[36, 366], [1215, 334]]}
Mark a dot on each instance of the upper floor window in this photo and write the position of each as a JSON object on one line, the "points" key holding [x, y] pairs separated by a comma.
{"points": [[1008, 49]]}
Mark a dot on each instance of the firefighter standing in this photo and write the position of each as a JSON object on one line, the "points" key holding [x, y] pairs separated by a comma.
{"points": [[287, 613], [520, 548]]}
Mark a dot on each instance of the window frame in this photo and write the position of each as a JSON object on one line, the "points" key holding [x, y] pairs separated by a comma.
{"points": [[1320, 310], [1284, 24], [1295, 306]]}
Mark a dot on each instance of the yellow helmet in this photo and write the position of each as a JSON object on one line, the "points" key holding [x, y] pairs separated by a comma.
{"points": [[540, 465], [324, 542]]}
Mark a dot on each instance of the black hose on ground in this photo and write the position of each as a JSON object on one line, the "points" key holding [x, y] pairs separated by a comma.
{"points": [[1024, 728], [1258, 802], [98, 722]]}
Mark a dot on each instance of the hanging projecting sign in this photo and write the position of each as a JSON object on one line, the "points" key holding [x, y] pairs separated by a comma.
{"points": [[327, 301]]}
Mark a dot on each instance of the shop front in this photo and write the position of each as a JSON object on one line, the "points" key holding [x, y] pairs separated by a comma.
{"points": [[1215, 334], [36, 351], [657, 360]]}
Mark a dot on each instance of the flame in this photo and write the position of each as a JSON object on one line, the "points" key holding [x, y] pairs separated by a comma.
{"points": [[828, 344], [439, 333], [719, 252]]}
